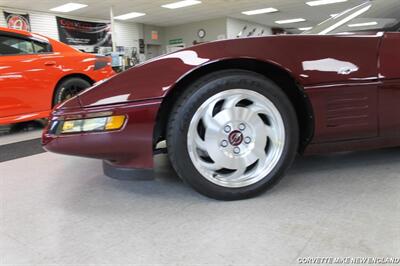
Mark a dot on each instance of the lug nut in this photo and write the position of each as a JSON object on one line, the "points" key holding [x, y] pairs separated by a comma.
{"points": [[242, 127], [224, 143], [236, 150], [227, 129], [247, 140]]}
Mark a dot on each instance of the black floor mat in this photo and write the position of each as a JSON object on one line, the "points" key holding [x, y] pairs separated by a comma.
{"points": [[20, 149]]}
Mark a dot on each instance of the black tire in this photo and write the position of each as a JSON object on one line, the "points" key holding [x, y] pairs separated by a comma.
{"points": [[187, 105], [69, 88]]}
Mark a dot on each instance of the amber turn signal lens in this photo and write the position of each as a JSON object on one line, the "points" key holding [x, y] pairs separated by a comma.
{"points": [[115, 122]]}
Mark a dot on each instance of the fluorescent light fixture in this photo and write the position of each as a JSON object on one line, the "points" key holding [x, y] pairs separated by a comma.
{"points": [[68, 7], [181, 4], [372, 23], [287, 21], [305, 28], [324, 2], [260, 11], [129, 16]]}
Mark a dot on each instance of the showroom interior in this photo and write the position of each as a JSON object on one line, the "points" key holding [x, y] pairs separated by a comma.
{"points": [[66, 200]]}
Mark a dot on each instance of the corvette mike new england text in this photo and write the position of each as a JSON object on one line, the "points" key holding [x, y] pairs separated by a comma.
{"points": [[350, 260]]}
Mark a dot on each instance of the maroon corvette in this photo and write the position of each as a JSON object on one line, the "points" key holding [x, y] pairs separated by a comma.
{"points": [[235, 113]]}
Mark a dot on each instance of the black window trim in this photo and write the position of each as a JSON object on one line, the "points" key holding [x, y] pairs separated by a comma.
{"points": [[26, 38]]}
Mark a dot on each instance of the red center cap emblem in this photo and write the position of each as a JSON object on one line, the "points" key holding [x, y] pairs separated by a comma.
{"points": [[236, 138]]}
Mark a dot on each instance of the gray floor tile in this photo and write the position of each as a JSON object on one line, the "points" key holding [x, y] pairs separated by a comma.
{"points": [[65, 208]]}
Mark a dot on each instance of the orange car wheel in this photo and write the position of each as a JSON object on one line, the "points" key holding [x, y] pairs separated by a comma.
{"points": [[69, 88]]}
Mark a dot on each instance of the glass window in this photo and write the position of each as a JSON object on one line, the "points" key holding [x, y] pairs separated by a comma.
{"points": [[41, 47], [370, 17], [14, 46], [11, 45]]}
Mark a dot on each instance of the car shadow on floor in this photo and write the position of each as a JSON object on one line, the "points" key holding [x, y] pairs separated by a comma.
{"points": [[22, 127], [351, 165], [347, 160], [320, 181]]}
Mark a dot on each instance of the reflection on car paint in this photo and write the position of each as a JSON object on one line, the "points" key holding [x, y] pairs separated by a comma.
{"points": [[330, 65], [88, 59], [188, 57], [110, 100], [10, 76]]}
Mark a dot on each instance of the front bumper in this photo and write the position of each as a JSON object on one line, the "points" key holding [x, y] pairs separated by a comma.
{"points": [[130, 147]]}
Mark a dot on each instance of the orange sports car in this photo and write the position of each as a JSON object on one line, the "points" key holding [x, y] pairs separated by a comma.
{"points": [[37, 73]]}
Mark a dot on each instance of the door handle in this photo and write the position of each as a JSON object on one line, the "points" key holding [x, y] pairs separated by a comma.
{"points": [[50, 63]]}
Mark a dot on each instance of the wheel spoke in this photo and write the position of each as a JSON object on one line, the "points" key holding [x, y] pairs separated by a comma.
{"points": [[210, 122], [259, 153], [210, 166], [201, 144], [259, 109], [272, 134], [208, 119], [71, 90], [238, 174], [232, 101]]}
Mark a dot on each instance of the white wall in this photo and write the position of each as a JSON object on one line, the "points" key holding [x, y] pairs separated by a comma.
{"points": [[215, 29], [147, 30], [188, 32], [234, 26], [41, 23], [127, 34]]}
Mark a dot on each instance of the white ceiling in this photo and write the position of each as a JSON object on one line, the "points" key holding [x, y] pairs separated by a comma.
{"points": [[156, 15]]}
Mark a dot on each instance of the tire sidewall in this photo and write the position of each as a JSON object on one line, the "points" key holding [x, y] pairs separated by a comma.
{"points": [[203, 90]]}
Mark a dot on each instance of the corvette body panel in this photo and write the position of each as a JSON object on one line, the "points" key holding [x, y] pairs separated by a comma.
{"points": [[338, 59], [341, 76], [341, 66], [129, 147], [389, 92]]}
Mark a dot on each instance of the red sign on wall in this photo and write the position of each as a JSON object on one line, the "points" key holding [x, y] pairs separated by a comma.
{"points": [[17, 21]]}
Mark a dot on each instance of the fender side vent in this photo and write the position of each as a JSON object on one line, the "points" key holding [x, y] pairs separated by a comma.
{"points": [[348, 110]]}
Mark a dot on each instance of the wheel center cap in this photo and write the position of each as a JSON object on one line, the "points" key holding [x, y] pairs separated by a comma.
{"points": [[235, 138]]}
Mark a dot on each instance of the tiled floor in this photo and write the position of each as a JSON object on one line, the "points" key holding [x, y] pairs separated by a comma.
{"points": [[63, 210]]}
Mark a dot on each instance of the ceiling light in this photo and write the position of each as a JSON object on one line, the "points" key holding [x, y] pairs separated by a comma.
{"points": [[305, 28], [129, 16], [287, 21], [181, 4], [372, 23], [324, 2], [68, 7], [260, 11]]}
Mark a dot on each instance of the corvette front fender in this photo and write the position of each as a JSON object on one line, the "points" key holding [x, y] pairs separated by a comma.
{"points": [[294, 54]]}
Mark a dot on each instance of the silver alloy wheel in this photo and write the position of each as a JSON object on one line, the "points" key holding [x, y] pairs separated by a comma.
{"points": [[236, 138]]}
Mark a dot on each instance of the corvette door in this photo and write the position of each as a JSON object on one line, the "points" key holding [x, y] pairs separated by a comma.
{"points": [[389, 93]]}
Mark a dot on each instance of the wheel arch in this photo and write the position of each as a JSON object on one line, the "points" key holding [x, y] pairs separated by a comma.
{"points": [[282, 77], [73, 75]]}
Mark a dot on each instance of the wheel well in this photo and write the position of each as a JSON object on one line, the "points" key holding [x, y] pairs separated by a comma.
{"points": [[82, 76], [281, 77]]}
